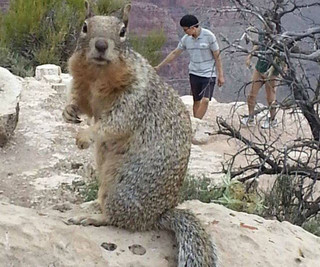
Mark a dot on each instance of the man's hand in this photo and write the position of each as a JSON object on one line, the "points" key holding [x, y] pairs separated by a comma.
{"points": [[220, 80], [216, 55]]}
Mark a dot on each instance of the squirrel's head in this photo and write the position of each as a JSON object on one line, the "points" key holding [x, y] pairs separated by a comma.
{"points": [[103, 38]]}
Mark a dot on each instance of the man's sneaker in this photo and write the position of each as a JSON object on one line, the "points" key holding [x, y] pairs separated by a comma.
{"points": [[268, 123], [247, 120]]}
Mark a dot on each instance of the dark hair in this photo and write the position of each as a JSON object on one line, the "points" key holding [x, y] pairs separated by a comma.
{"points": [[188, 21]]}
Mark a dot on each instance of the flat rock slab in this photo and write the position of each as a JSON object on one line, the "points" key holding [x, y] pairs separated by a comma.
{"points": [[31, 238], [41, 238]]}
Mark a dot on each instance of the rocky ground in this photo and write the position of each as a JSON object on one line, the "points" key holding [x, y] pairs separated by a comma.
{"points": [[42, 165], [42, 158]]}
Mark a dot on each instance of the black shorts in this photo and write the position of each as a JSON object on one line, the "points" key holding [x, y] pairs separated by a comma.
{"points": [[201, 87]]}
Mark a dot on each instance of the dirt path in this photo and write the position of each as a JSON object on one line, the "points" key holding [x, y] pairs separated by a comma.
{"points": [[41, 163]]}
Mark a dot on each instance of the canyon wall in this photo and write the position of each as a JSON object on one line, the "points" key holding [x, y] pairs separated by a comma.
{"points": [[151, 14], [155, 14]]}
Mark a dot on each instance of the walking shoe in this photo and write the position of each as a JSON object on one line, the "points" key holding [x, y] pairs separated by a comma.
{"points": [[247, 120], [268, 123]]}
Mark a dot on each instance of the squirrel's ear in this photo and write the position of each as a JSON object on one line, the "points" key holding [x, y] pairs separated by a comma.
{"points": [[125, 14], [89, 13]]}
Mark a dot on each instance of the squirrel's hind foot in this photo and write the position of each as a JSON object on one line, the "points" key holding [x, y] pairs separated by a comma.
{"points": [[85, 220]]}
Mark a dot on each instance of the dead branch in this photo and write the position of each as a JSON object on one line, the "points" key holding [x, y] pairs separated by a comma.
{"points": [[270, 165]]}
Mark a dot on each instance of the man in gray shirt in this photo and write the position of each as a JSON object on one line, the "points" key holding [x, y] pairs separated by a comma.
{"points": [[203, 49]]}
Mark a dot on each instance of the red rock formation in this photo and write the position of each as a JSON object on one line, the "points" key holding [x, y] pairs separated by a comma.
{"points": [[4, 4]]}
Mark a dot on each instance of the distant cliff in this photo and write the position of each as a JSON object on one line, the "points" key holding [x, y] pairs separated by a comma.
{"points": [[155, 14], [150, 14], [4, 4]]}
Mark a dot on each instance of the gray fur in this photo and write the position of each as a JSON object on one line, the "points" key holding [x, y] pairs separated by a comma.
{"points": [[142, 134]]}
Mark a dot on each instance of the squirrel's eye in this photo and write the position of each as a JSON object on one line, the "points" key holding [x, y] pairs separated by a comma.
{"points": [[85, 28], [123, 32]]}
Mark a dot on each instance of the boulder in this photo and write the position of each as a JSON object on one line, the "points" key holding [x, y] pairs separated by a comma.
{"points": [[31, 238], [41, 238], [48, 72], [10, 91], [200, 128]]}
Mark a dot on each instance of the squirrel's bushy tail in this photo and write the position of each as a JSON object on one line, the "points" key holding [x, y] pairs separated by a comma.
{"points": [[196, 248]]}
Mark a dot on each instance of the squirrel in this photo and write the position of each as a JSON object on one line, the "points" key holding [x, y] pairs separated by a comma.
{"points": [[142, 135]]}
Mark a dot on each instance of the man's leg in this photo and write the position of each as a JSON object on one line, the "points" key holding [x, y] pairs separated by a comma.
{"points": [[207, 87], [196, 84], [196, 105], [270, 85], [200, 107]]}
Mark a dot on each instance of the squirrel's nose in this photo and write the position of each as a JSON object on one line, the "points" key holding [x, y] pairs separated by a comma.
{"points": [[101, 45]]}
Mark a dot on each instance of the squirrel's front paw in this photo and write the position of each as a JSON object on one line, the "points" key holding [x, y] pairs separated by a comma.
{"points": [[71, 114], [83, 140]]}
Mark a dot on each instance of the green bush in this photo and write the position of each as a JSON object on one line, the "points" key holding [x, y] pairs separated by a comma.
{"points": [[231, 194], [281, 200], [313, 225], [42, 31], [150, 45], [235, 196], [197, 188], [90, 191], [106, 7], [290, 199], [45, 31], [15, 63]]}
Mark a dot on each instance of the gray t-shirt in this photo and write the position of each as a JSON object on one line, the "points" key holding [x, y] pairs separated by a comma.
{"points": [[200, 50]]}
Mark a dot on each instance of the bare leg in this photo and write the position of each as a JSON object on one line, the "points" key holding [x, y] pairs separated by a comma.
{"points": [[202, 108], [271, 94], [257, 82], [196, 105]]}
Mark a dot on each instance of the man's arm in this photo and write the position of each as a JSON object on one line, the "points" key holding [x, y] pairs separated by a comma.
{"points": [[173, 55], [217, 58]]}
